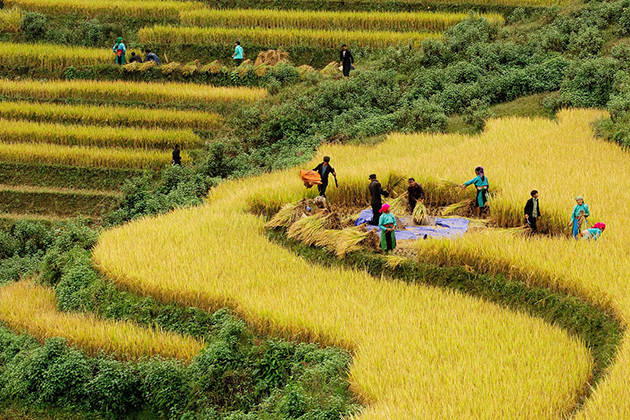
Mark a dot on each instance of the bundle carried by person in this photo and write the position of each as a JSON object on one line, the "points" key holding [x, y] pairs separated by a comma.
{"points": [[310, 178]]}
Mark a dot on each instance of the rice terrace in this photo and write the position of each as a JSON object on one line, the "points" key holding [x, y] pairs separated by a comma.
{"points": [[314, 210]]}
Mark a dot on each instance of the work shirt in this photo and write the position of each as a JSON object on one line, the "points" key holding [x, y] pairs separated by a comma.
{"points": [[592, 233], [153, 57], [579, 208], [238, 53], [120, 46], [385, 219], [534, 208], [415, 192], [478, 182], [324, 171]]}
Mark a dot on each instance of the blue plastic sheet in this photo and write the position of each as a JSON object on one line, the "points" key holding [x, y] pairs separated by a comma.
{"points": [[445, 228]]}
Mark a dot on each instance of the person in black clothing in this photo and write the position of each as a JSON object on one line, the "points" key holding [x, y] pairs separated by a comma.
{"points": [[415, 193], [324, 169], [177, 158], [135, 58], [532, 212], [376, 190], [346, 60]]}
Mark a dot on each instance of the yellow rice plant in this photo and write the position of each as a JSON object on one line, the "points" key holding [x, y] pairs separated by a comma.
{"points": [[10, 20], [136, 8], [111, 115], [86, 156], [51, 57], [304, 19], [275, 37], [120, 91], [33, 308], [419, 352], [12, 131]]}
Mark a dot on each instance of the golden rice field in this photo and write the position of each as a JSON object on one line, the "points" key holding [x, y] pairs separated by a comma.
{"points": [[366, 21], [31, 307], [418, 352], [148, 93], [12, 131], [278, 37], [51, 57], [111, 115], [86, 156], [135, 8]]}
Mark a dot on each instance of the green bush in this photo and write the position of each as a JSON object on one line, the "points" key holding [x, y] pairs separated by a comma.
{"points": [[34, 26]]}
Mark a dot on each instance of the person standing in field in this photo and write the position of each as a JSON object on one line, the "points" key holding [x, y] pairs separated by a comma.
{"points": [[481, 183], [324, 169], [387, 224], [415, 193], [532, 211], [177, 158], [345, 60], [135, 58], [151, 56], [238, 54], [376, 191], [120, 50], [579, 215]]}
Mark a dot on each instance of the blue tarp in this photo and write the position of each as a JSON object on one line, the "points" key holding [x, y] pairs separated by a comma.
{"points": [[451, 227]]}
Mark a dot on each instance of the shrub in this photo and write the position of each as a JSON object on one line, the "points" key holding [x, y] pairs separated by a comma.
{"points": [[34, 26]]}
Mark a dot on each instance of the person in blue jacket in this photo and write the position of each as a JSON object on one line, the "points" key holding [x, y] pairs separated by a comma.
{"points": [[120, 50], [481, 183], [238, 54], [579, 216]]}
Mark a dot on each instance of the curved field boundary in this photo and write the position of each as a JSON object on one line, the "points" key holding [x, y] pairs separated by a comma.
{"points": [[116, 116], [137, 8], [12, 131], [33, 308], [146, 92], [276, 37], [419, 352], [366, 21], [86, 156]]}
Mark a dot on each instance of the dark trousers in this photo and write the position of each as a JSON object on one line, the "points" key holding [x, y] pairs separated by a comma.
{"points": [[388, 240], [238, 61], [532, 224], [376, 216], [322, 189], [120, 59], [346, 70], [412, 204]]}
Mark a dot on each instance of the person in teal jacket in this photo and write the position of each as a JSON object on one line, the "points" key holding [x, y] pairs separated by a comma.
{"points": [[238, 54], [579, 215], [593, 233], [387, 224], [120, 50], [481, 183]]}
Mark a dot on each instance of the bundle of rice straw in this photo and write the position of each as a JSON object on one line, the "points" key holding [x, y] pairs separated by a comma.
{"points": [[285, 217], [214, 67], [342, 242], [147, 65], [399, 206], [448, 183], [307, 230], [461, 206], [419, 213]]}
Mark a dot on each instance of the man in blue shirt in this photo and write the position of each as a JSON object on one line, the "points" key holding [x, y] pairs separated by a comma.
{"points": [[238, 54]]}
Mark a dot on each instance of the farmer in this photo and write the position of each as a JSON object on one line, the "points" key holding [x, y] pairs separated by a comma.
{"points": [[579, 215], [387, 224], [481, 183], [345, 60], [151, 56], [324, 169], [415, 193], [238, 54], [532, 211], [120, 50], [593, 233], [177, 158], [135, 58], [376, 190]]}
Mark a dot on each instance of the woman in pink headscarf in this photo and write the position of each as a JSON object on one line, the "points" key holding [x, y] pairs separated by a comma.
{"points": [[387, 224], [594, 232]]}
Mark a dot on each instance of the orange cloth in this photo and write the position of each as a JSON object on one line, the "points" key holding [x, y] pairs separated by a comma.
{"points": [[310, 178]]}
